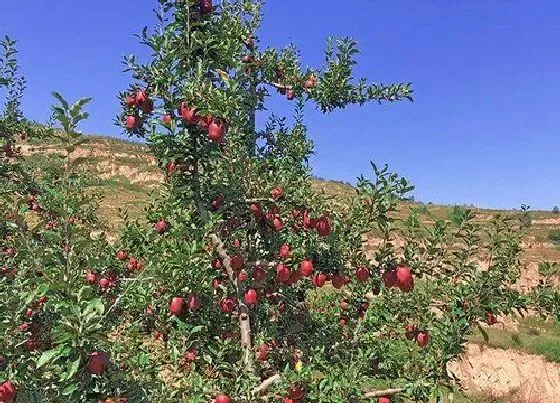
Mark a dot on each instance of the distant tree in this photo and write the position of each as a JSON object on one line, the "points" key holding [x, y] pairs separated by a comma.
{"points": [[556, 210]]}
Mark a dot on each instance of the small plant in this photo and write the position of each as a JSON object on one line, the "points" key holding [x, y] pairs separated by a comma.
{"points": [[550, 349], [554, 236]]}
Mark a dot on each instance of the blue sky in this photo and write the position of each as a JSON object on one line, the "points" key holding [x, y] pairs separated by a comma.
{"points": [[484, 126]]}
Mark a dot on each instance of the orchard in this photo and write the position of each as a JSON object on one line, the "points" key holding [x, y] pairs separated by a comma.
{"points": [[246, 285]]}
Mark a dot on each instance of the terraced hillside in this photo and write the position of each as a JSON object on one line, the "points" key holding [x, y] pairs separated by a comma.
{"points": [[128, 173]]}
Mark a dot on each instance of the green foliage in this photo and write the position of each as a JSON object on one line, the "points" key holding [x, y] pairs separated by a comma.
{"points": [[554, 236], [550, 349], [52, 319], [10, 79]]}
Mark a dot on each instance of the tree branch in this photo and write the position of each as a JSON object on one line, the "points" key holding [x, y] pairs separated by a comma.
{"points": [[267, 383], [244, 320], [261, 263], [382, 393], [281, 86]]}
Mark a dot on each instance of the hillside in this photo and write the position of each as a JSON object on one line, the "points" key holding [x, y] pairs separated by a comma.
{"points": [[128, 173]]}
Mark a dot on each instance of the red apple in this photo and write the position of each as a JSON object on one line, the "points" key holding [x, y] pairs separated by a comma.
{"points": [[242, 276], [171, 167], [122, 255], [282, 273], [190, 356], [338, 281], [259, 274], [257, 210], [132, 264], [217, 264], [282, 307], [91, 278], [206, 7], [297, 392], [310, 82], [390, 278], [248, 59], [362, 309], [323, 226], [131, 122], [362, 274], [141, 98], [285, 251], [405, 280], [217, 282], [278, 224], [251, 297], [130, 101], [160, 226], [104, 283], [228, 304], [98, 361], [306, 268], [422, 338], [343, 305], [216, 131], [222, 398], [319, 280], [237, 262], [277, 193], [308, 222], [188, 114], [166, 119], [7, 392], [176, 306], [263, 352], [383, 400]]}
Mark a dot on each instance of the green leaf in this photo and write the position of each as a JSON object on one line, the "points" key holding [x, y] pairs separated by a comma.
{"points": [[484, 333], [73, 369], [61, 100], [48, 356], [69, 389]]}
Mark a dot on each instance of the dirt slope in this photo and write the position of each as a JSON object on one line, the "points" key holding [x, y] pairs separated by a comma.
{"points": [[508, 374]]}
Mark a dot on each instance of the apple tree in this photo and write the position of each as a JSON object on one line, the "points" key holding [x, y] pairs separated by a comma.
{"points": [[57, 311], [256, 287]]}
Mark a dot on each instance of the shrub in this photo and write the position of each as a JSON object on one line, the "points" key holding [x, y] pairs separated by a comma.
{"points": [[554, 236]]}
